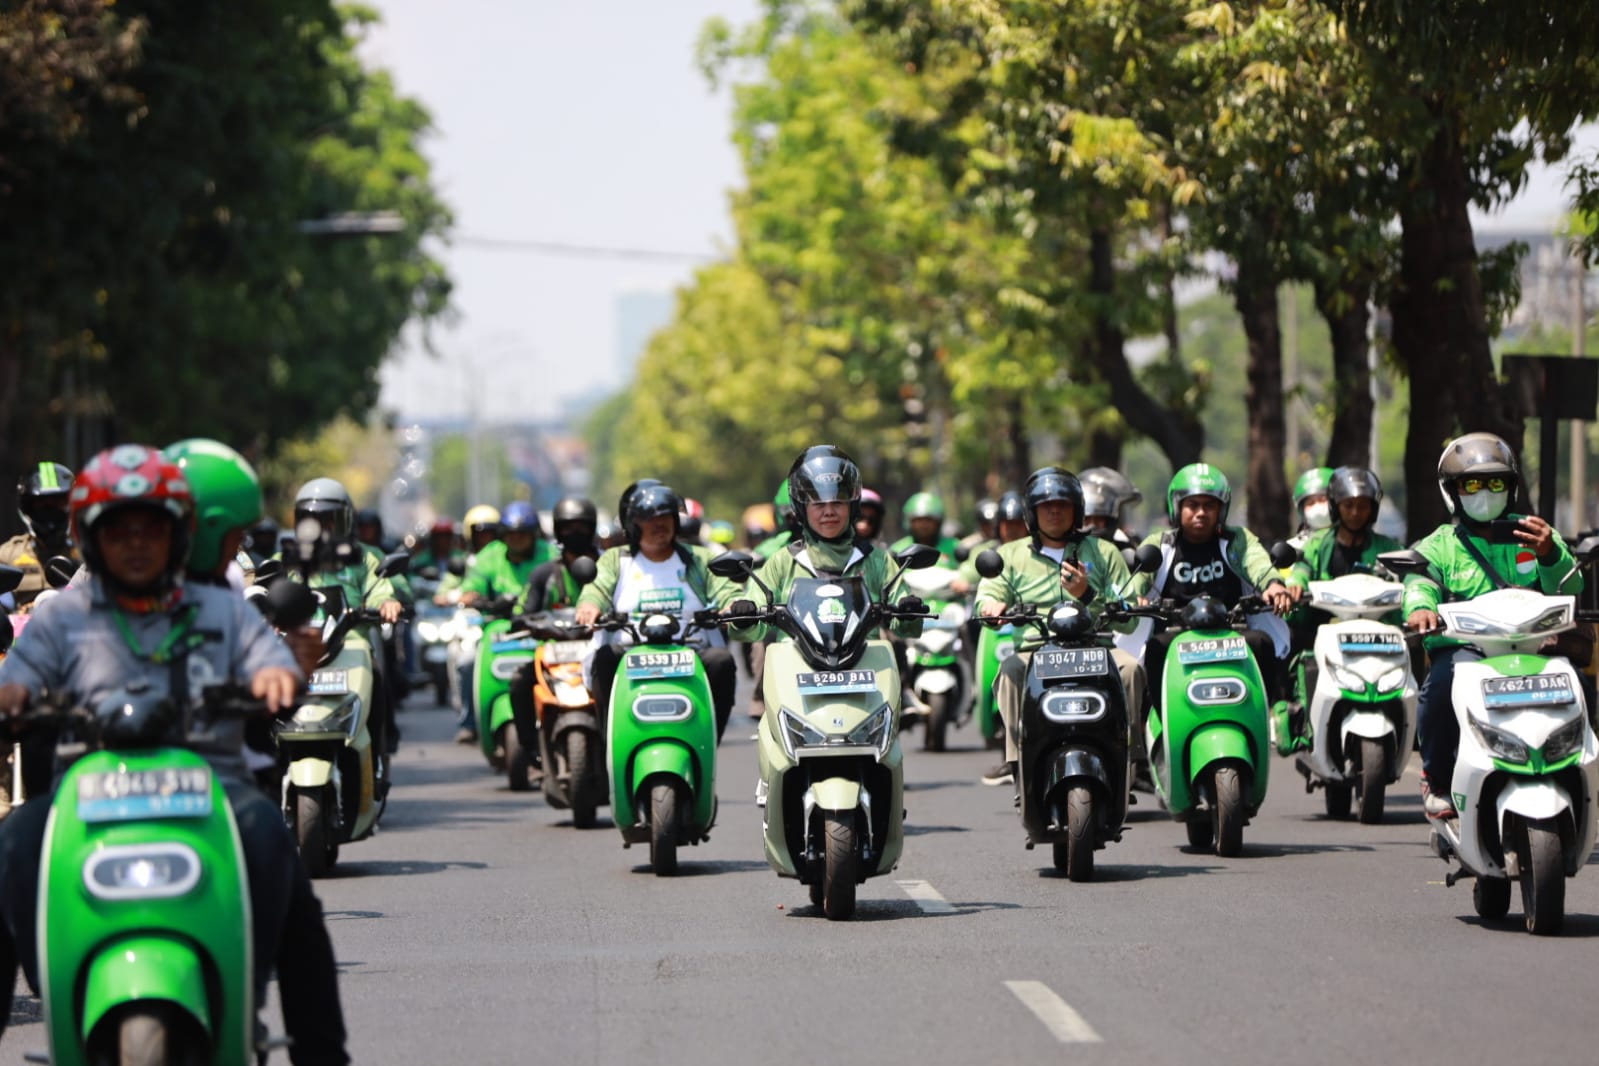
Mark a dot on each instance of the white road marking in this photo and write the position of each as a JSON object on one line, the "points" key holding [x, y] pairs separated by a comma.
{"points": [[1065, 1024], [926, 897]]}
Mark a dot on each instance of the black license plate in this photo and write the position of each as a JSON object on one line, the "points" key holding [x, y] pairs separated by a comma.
{"points": [[1539, 690], [838, 682], [1052, 664]]}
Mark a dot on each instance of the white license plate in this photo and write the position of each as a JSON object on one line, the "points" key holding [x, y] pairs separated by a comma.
{"points": [[129, 795], [1371, 643], [330, 682], [648, 664], [1213, 650], [1539, 690], [837, 682]]}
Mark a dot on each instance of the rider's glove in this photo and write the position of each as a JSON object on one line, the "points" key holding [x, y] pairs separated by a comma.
{"points": [[911, 605], [745, 609]]}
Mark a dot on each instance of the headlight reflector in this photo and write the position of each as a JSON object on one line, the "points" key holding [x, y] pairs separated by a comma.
{"points": [[141, 871]]}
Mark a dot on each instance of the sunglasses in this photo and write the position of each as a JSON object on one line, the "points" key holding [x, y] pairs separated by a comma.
{"points": [[1470, 486]]}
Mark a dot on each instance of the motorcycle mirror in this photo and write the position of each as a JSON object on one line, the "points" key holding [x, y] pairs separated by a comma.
{"points": [[1587, 549], [1283, 555], [735, 566], [58, 571], [583, 570], [1404, 562], [395, 563], [917, 557], [268, 571], [1146, 560], [989, 564], [288, 604], [457, 567], [10, 578]]}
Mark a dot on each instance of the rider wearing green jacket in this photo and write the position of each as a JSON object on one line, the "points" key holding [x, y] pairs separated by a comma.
{"points": [[1478, 478], [503, 567], [1059, 563], [923, 517]]}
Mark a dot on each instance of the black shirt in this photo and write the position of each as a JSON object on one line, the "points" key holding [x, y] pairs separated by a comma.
{"points": [[1200, 570]]}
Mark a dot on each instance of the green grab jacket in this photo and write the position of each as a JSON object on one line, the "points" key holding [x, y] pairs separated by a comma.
{"points": [[1032, 577]]}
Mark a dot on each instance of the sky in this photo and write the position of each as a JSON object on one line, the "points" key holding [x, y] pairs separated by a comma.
{"points": [[582, 123]]}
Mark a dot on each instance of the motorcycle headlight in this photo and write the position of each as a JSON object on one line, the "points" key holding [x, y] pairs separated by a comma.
{"points": [[1348, 680], [342, 717], [427, 632], [1565, 740], [141, 871], [875, 730], [1388, 597], [1393, 680], [1501, 744], [796, 732], [1332, 600]]}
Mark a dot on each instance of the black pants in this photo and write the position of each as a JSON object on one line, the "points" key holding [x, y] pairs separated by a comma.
{"points": [[1272, 668], [720, 671], [288, 927]]}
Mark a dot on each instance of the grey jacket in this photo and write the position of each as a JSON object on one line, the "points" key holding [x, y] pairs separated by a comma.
{"points": [[73, 646]]}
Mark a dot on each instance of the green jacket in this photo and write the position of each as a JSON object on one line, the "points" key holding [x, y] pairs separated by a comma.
{"points": [[1244, 553], [400, 582], [492, 574], [713, 591], [1315, 557], [968, 569], [360, 581], [773, 544], [854, 559], [1465, 579], [1032, 577], [946, 547]]}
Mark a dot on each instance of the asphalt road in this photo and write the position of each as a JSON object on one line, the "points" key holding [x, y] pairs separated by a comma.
{"points": [[479, 926]]}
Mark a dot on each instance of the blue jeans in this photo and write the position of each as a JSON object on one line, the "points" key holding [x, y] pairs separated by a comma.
{"points": [[1436, 723]]}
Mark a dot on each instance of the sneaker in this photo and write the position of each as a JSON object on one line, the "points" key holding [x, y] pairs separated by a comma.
{"points": [[465, 736], [1435, 804], [1003, 774]]}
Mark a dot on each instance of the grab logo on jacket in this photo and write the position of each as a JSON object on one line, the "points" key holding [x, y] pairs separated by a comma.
{"points": [[1188, 574]]}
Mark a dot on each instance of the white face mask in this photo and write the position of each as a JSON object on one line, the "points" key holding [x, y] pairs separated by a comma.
{"points": [[1485, 506], [1318, 515]]}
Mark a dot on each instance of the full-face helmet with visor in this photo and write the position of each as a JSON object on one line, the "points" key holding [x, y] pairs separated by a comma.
{"points": [[824, 473]]}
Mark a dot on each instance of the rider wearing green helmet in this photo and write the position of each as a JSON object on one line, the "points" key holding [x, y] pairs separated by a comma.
{"points": [[1310, 500], [923, 519], [1203, 556], [227, 499]]}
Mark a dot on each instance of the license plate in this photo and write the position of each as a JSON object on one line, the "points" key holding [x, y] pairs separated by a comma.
{"points": [[130, 795], [837, 682], [648, 664], [1050, 664], [499, 647], [1371, 644], [566, 651], [1213, 650], [1540, 690], [329, 682]]}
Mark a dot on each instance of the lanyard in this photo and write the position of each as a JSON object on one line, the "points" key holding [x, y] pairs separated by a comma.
{"points": [[180, 639]]}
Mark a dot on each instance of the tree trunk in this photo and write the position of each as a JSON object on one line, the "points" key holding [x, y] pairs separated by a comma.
{"points": [[1440, 324], [1178, 433], [1347, 315], [1020, 448], [1255, 296]]}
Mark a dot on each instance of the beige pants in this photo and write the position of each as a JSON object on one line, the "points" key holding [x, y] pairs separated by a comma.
{"points": [[1010, 688]]}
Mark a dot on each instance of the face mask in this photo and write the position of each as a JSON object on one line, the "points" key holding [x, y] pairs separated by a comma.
{"points": [[1318, 515], [1485, 506]]}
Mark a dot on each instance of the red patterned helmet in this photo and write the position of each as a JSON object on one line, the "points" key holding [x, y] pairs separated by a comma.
{"points": [[131, 475]]}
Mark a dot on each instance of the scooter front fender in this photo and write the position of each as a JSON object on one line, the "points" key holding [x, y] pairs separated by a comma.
{"points": [[1368, 724], [310, 773], [139, 968], [1075, 762], [936, 680], [835, 794], [662, 758], [1215, 742], [1533, 800]]}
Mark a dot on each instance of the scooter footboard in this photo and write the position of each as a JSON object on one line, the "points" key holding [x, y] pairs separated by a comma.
{"points": [[142, 968]]}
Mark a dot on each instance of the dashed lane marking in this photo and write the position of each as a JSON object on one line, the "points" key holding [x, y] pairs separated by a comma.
{"points": [[926, 897], [1064, 1023]]}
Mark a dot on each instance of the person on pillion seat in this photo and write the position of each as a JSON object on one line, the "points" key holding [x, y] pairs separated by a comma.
{"points": [[1106, 495], [1203, 556], [42, 506], [1478, 478], [1059, 563]]}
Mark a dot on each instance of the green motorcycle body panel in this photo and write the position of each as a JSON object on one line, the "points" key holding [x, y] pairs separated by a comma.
{"points": [[1184, 735], [994, 646], [187, 943], [824, 769], [661, 721], [499, 656]]}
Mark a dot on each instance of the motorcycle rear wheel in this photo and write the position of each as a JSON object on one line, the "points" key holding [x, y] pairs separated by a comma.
{"points": [[939, 706], [1075, 855], [1338, 798], [1373, 780], [1230, 814], [663, 828], [579, 765], [842, 858], [1201, 830], [1491, 897], [1543, 879]]}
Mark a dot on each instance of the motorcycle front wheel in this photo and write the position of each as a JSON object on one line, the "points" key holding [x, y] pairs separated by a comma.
{"points": [[939, 708], [1543, 879], [1373, 780], [842, 859], [579, 765], [314, 833], [663, 828], [1075, 855], [1230, 814]]}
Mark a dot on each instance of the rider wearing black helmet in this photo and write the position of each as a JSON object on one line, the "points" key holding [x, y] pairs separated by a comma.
{"points": [[42, 505], [1057, 564], [653, 571]]}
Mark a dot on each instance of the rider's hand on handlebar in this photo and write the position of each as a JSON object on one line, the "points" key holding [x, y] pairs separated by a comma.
{"points": [[1424, 621], [587, 614], [276, 686], [991, 609], [13, 700], [911, 605], [389, 611], [1278, 598], [306, 644]]}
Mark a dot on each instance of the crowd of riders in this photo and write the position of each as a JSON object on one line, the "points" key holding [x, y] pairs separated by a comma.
{"points": [[162, 544]]}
